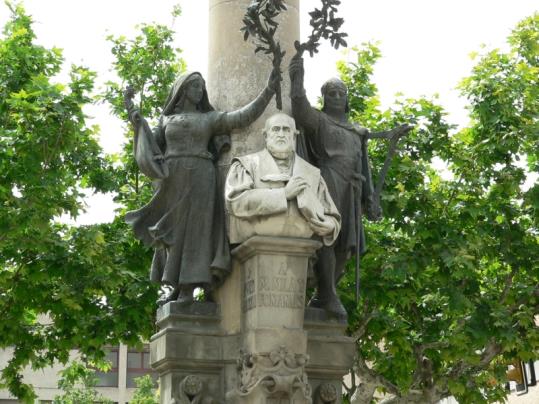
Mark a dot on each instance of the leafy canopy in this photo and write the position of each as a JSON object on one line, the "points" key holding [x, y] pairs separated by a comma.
{"points": [[65, 287], [450, 284]]}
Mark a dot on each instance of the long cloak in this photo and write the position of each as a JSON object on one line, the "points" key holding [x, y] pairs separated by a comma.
{"points": [[184, 221]]}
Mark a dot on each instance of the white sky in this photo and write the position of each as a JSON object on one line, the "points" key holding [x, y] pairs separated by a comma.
{"points": [[425, 45]]}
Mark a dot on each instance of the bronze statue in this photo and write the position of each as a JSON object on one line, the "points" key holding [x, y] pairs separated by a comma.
{"points": [[184, 221], [339, 148]]}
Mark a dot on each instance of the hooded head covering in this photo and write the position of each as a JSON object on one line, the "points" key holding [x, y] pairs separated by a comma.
{"points": [[177, 94], [221, 141]]}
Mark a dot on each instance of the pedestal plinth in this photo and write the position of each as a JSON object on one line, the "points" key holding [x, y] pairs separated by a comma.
{"points": [[190, 352], [331, 355], [273, 283], [257, 344]]}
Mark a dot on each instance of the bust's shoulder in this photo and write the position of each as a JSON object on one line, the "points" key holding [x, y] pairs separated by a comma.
{"points": [[251, 159]]}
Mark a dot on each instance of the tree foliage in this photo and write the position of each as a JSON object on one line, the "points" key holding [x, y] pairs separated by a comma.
{"points": [[146, 392], [65, 287], [77, 381], [150, 65], [450, 284]]}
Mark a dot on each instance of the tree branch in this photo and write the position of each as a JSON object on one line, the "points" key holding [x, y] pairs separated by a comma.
{"points": [[492, 350], [364, 322], [370, 376]]}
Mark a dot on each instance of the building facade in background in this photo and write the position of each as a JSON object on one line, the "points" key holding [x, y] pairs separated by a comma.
{"points": [[118, 384]]}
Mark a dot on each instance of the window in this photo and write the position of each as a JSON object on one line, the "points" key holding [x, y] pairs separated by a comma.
{"points": [[110, 378], [138, 365]]}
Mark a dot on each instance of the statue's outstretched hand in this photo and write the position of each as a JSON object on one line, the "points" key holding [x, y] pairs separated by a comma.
{"points": [[129, 94], [402, 130], [134, 114]]}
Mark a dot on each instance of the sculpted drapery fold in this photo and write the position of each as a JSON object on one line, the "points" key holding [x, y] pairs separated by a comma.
{"points": [[255, 190]]}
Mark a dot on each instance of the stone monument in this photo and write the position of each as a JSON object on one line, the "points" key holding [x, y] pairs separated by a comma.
{"points": [[256, 343], [251, 340]]}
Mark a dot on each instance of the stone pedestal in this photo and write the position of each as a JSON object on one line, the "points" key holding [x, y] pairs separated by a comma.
{"points": [[257, 344], [190, 352], [274, 280], [331, 355]]}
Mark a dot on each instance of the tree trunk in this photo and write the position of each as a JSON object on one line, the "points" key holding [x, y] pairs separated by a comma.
{"points": [[364, 393]]}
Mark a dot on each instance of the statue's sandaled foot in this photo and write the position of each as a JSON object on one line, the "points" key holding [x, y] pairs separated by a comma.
{"points": [[331, 304]]}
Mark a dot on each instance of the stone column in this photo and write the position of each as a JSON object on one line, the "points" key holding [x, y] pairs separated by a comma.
{"points": [[122, 373], [236, 75]]}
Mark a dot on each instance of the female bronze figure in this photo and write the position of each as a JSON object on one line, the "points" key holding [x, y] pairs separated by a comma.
{"points": [[185, 221]]}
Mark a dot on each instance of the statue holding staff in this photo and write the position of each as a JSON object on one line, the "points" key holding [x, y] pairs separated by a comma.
{"points": [[339, 148]]}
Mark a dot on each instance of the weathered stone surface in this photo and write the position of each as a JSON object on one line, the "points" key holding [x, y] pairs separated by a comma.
{"points": [[202, 316], [191, 343], [326, 393], [276, 376], [274, 276], [230, 84], [274, 192], [193, 389], [198, 340]]}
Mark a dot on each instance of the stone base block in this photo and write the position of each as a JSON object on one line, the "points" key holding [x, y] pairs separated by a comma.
{"points": [[193, 357], [247, 349], [331, 355]]}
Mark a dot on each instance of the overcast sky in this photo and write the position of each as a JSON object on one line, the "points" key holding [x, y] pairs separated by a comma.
{"points": [[425, 44]]}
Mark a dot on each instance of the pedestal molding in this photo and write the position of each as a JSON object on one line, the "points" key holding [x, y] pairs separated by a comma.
{"points": [[298, 247]]}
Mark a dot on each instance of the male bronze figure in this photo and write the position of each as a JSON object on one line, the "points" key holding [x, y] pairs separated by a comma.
{"points": [[339, 148]]}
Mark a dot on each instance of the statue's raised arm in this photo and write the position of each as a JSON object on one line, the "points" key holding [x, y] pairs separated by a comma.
{"points": [[250, 112], [306, 116]]}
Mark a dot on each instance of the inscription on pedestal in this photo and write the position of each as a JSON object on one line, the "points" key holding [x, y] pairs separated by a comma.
{"points": [[276, 288]]}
